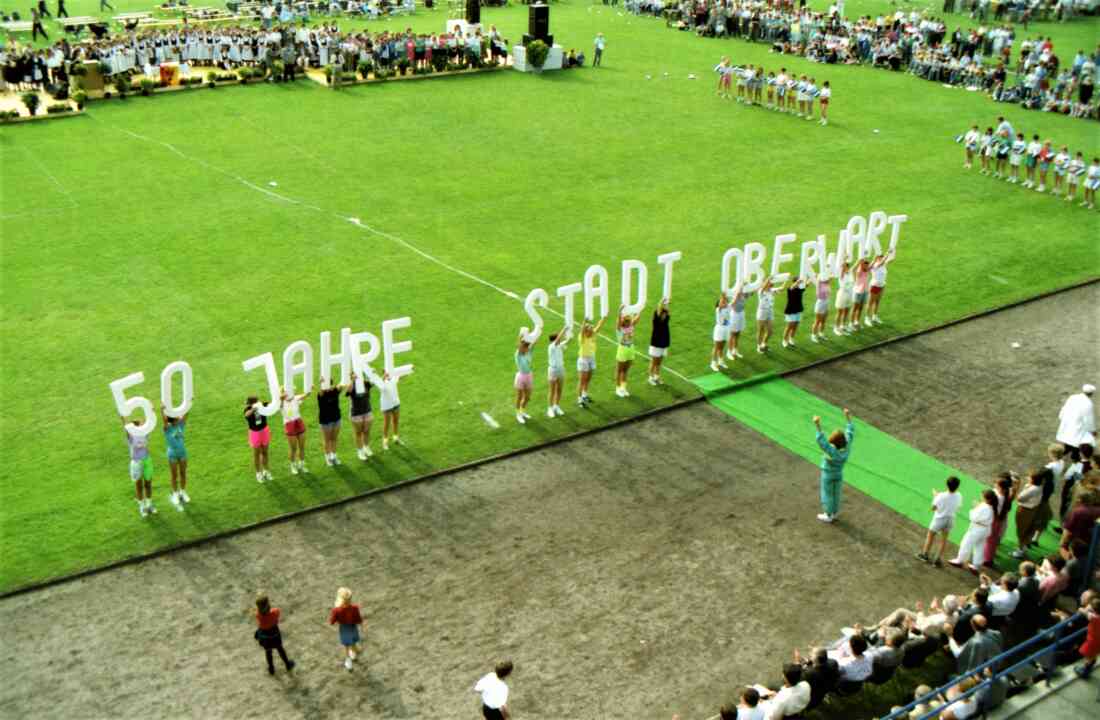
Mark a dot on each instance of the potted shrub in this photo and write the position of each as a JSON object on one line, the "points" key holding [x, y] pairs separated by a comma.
{"points": [[277, 69], [365, 68], [80, 97], [104, 68], [537, 52], [244, 74], [31, 102], [147, 85], [122, 85], [330, 72], [348, 77], [403, 65], [211, 79]]}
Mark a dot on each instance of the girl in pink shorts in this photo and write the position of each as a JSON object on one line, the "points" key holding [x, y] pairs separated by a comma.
{"points": [[295, 428], [259, 437], [524, 378]]}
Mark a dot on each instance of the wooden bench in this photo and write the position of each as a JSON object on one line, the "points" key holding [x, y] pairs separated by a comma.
{"points": [[123, 17], [81, 21], [17, 26]]}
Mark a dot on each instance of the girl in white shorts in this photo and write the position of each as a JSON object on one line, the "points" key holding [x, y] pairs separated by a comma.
{"points": [[737, 323], [765, 312], [846, 283], [821, 308], [721, 332], [1092, 183], [1073, 176], [586, 358], [555, 372]]}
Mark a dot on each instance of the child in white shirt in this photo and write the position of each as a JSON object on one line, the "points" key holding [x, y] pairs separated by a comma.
{"points": [[945, 506]]}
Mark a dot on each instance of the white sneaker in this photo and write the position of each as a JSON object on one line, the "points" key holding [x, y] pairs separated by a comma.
{"points": [[722, 364], [737, 353], [268, 475], [359, 454], [626, 393], [386, 443], [760, 349], [784, 343], [825, 518], [1041, 188], [791, 342], [174, 498], [259, 477], [348, 664], [519, 418], [813, 338], [397, 440], [558, 411], [652, 381], [730, 356], [328, 460], [293, 469], [550, 412], [336, 460], [302, 467], [367, 454], [837, 331], [141, 509], [713, 366], [151, 508], [876, 320], [867, 321]]}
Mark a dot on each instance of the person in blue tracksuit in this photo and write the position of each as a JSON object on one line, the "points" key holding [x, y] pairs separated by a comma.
{"points": [[837, 448]]}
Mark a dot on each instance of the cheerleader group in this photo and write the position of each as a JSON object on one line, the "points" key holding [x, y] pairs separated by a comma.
{"points": [[785, 92], [1001, 156], [859, 296]]}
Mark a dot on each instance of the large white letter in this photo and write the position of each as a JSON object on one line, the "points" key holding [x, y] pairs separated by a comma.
{"points": [[128, 406], [360, 360], [857, 236], [876, 224], [567, 292], [535, 299], [754, 266], [342, 358], [593, 291], [813, 253], [630, 267], [779, 257], [667, 260], [171, 408], [732, 259], [391, 348], [834, 261], [304, 367], [267, 362], [895, 230]]}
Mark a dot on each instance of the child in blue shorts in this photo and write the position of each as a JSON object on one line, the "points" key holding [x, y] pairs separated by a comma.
{"points": [[177, 456]]}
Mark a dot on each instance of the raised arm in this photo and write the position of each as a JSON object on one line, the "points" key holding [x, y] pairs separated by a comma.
{"points": [[599, 325]]}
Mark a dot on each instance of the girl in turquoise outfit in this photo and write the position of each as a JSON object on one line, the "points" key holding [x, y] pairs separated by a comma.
{"points": [[836, 448], [177, 456]]}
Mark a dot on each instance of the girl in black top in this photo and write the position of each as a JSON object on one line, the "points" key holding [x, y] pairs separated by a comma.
{"points": [[659, 341], [361, 416], [328, 412], [259, 437], [792, 313]]}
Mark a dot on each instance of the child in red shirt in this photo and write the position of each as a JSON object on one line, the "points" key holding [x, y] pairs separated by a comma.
{"points": [[346, 616], [267, 632]]}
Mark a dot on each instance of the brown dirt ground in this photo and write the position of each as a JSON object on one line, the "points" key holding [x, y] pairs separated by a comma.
{"points": [[632, 573]]}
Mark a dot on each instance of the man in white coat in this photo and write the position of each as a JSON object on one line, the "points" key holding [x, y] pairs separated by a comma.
{"points": [[1077, 419]]}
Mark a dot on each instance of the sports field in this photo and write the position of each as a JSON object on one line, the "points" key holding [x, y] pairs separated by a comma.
{"points": [[149, 231]]}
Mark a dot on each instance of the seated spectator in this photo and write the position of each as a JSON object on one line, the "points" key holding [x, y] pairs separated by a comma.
{"points": [[1026, 615], [963, 629], [983, 646], [821, 673], [1053, 580], [855, 664], [890, 652], [1076, 557], [749, 707], [962, 709], [920, 645], [1003, 596], [937, 614], [791, 699], [920, 708]]}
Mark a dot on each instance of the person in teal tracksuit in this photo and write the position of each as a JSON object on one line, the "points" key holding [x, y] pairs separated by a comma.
{"points": [[836, 447]]}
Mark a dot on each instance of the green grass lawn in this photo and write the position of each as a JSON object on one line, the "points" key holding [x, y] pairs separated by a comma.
{"points": [[122, 254]]}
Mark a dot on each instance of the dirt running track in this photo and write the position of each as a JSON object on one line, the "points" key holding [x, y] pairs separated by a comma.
{"points": [[630, 574]]}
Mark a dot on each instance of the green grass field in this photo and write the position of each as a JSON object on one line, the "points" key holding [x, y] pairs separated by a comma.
{"points": [[135, 235]]}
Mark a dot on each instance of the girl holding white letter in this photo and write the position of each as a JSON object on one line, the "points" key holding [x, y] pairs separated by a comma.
{"points": [[259, 438], [141, 467], [659, 341], [524, 380], [765, 313], [555, 371], [792, 313], [624, 354], [878, 286], [737, 323], [328, 417], [361, 416], [586, 358], [721, 333], [295, 428], [390, 403], [863, 278], [177, 456], [821, 308], [845, 288]]}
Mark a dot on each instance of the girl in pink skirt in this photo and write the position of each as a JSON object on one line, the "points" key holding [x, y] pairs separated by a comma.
{"points": [[259, 437]]}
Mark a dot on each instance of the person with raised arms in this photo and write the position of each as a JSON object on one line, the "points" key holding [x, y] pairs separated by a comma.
{"points": [[524, 379], [846, 283], [390, 404], [792, 313], [586, 357], [860, 288], [295, 428], [141, 466], [259, 437], [624, 354], [555, 371], [659, 341], [765, 313], [822, 286], [721, 332], [837, 447], [878, 286], [737, 322], [177, 456], [328, 417], [361, 416]]}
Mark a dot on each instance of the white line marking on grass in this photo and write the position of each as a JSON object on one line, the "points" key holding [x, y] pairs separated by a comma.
{"points": [[358, 222], [998, 278], [489, 420], [53, 178]]}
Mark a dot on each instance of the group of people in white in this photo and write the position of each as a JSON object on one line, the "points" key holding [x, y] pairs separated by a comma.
{"points": [[1002, 153], [786, 93]]}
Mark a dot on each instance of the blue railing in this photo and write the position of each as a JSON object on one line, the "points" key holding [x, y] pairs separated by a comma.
{"points": [[937, 696]]}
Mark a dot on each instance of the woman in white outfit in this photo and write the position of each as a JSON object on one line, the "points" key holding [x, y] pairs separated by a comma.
{"points": [[846, 283], [972, 548]]}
